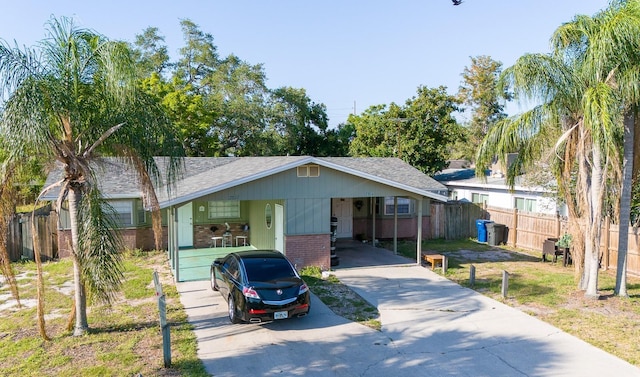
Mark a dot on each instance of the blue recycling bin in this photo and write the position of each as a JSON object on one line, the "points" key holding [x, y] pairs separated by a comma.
{"points": [[481, 226]]}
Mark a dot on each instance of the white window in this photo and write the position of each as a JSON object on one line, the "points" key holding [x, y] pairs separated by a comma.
{"points": [[404, 206], [124, 212], [142, 214], [526, 205], [479, 198], [224, 209]]}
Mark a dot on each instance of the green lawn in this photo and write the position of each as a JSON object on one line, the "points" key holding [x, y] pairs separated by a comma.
{"points": [[124, 339]]}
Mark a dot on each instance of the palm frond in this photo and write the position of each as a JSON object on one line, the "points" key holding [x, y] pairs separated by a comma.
{"points": [[100, 247], [16, 66], [6, 213], [602, 118]]}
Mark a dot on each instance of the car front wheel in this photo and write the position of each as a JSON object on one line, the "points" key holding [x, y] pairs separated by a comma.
{"points": [[233, 317]]}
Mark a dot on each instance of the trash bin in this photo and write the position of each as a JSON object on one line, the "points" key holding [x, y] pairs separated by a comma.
{"points": [[481, 226], [495, 233]]}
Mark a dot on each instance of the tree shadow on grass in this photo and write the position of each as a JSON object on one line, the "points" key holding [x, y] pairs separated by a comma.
{"points": [[125, 327]]}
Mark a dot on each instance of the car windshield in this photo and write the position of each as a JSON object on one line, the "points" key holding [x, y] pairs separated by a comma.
{"points": [[265, 269]]}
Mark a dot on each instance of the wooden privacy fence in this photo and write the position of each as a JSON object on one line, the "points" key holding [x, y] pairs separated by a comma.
{"points": [[20, 240], [455, 220], [528, 230]]}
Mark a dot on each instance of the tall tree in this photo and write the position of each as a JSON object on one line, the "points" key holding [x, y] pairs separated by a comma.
{"points": [[193, 114], [150, 53], [299, 123], [219, 104], [198, 58], [420, 132], [223, 106], [372, 136], [480, 95], [337, 140], [240, 95], [75, 99]]}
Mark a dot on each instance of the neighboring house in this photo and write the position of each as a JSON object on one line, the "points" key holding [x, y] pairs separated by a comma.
{"points": [[494, 191], [284, 203]]}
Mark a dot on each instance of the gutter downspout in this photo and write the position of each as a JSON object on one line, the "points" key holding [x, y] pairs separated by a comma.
{"points": [[373, 217]]}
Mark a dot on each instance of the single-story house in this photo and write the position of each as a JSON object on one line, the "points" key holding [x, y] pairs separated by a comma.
{"points": [[493, 190], [295, 204]]}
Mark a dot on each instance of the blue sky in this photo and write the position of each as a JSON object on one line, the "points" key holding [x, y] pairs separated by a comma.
{"points": [[344, 53]]}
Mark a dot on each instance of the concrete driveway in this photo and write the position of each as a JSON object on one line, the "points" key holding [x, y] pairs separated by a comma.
{"points": [[430, 327]]}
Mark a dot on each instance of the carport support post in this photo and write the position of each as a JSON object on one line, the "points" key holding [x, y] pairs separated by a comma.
{"points": [[395, 225], [373, 225], [176, 248], [419, 233]]}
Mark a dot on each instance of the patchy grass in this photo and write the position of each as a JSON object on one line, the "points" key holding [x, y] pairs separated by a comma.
{"points": [[124, 338], [341, 299], [548, 291]]}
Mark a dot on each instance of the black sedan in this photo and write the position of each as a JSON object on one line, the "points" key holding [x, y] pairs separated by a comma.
{"points": [[260, 285]]}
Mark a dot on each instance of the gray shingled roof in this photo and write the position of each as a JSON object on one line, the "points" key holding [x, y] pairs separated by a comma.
{"points": [[205, 175], [116, 180], [389, 170]]}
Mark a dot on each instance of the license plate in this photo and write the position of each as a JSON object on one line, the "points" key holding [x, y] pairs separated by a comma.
{"points": [[280, 315]]}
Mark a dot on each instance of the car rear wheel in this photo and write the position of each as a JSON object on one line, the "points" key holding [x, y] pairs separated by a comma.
{"points": [[214, 284], [232, 310]]}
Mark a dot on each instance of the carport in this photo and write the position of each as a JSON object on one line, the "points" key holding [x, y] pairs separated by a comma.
{"points": [[356, 254]]}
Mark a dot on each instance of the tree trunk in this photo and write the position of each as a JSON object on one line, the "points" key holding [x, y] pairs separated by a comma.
{"points": [[594, 225], [583, 251], [625, 205], [82, 324], [39, 280]]}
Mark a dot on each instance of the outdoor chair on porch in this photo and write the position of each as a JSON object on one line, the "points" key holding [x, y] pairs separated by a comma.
{"points": [[243, 237], [215, 238]]}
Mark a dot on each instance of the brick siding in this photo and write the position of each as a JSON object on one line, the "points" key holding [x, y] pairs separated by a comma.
{"points": [[202, 233], [309, 250]]}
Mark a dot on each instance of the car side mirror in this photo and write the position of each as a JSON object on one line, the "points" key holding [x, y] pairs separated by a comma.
{"points": [[217, 263]]}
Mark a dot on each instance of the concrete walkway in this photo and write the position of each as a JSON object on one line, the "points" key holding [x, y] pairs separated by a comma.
{"points": [[430, 327]]}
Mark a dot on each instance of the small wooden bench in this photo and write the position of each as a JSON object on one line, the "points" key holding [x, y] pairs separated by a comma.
{"points": [[433, 259]]}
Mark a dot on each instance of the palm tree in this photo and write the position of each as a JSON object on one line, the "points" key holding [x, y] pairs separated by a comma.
{"points": [[74, 100], [610, 43], [558, 119], [577, 111]]}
